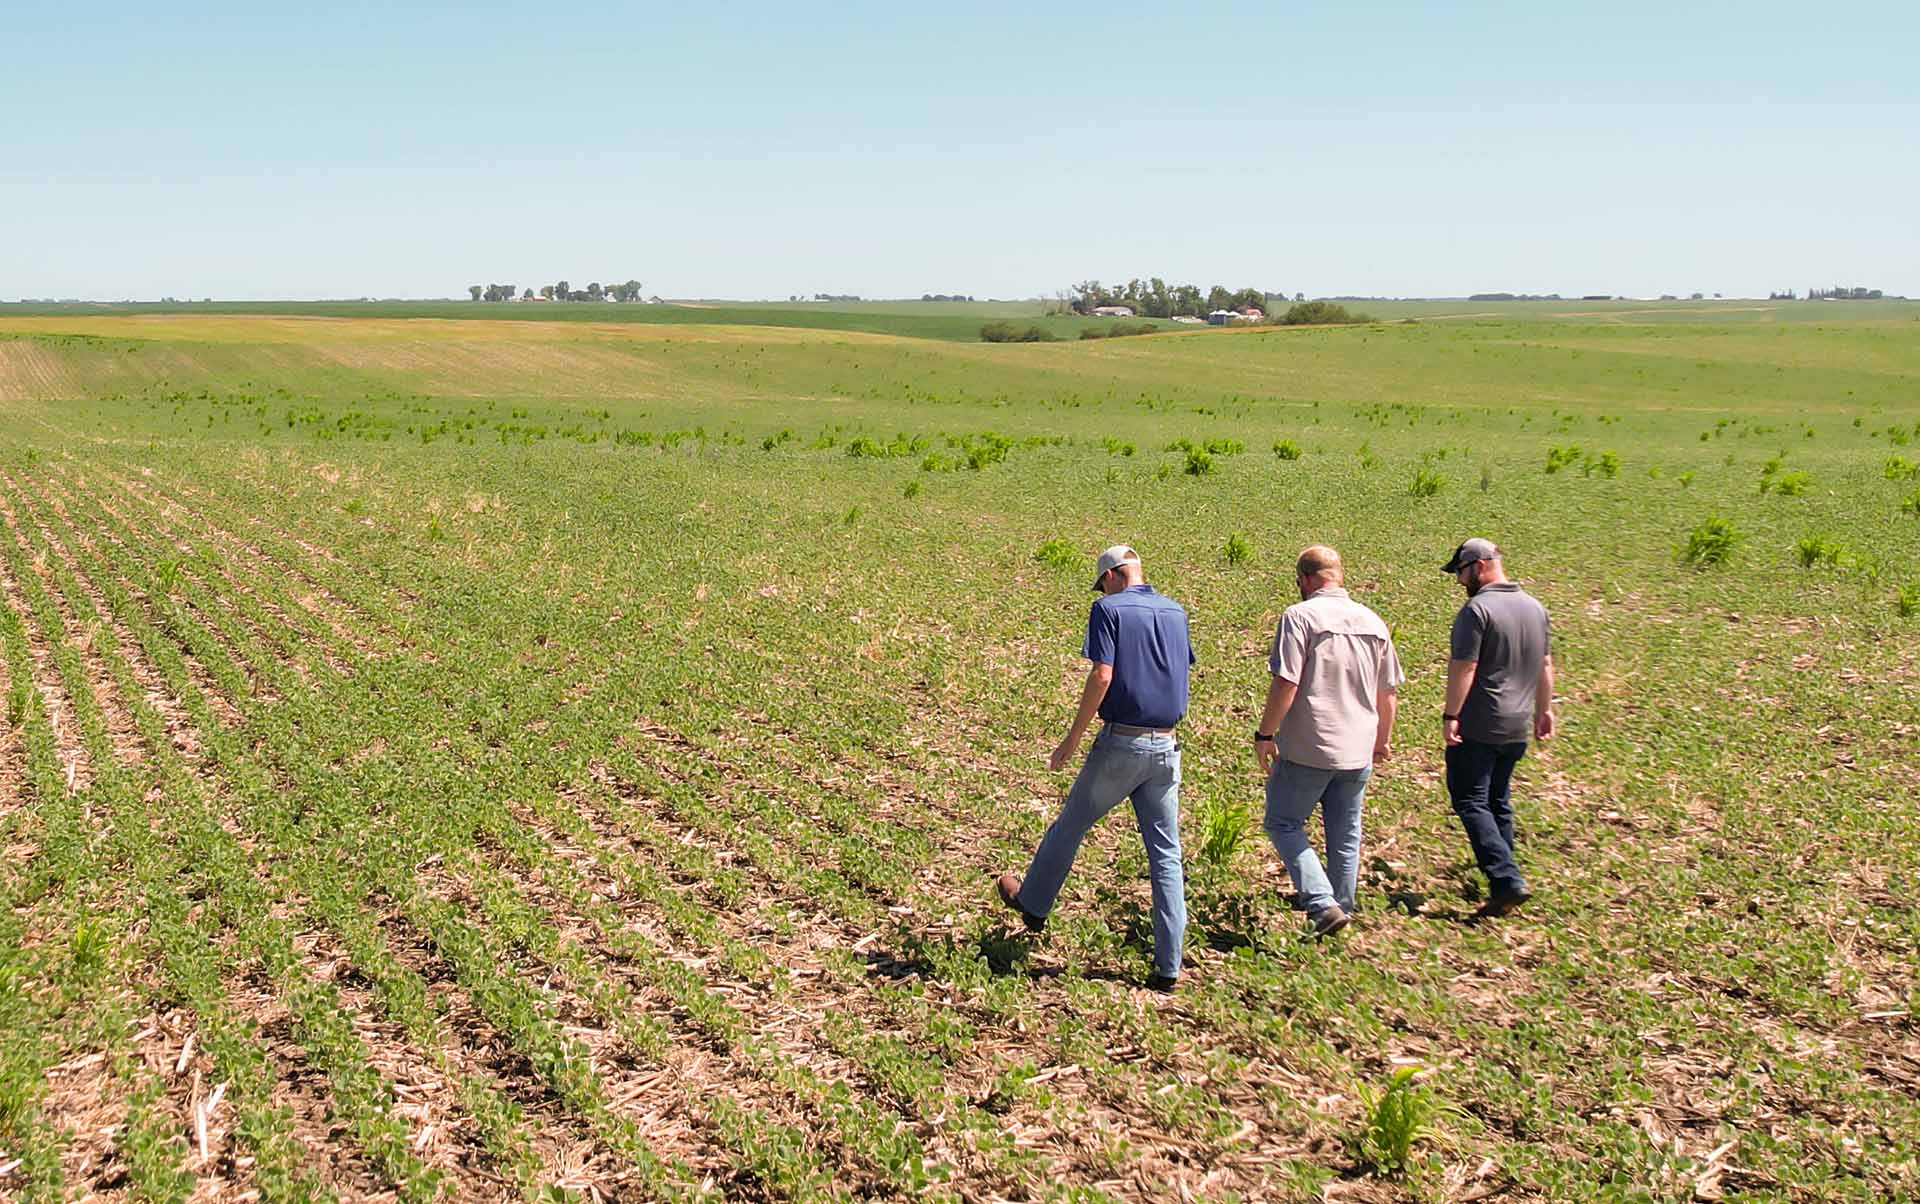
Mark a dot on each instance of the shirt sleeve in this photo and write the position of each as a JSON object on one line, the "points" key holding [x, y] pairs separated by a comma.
{"points": [[1101, 627], [1391, 676], [1468, 628], [1289, 656]]}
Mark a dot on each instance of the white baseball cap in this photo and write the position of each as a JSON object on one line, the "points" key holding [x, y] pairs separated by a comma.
{"points": [[1111, 559]]}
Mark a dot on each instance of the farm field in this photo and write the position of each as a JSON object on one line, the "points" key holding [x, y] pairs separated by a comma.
{"points": [[960, 321], [482, 760]]}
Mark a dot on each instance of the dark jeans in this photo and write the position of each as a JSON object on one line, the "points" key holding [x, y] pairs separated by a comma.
{"points": [[1479, 777]]}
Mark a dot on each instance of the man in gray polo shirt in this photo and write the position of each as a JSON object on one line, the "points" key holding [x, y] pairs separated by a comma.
{"points": [[1499, 692], [1328, 720]]}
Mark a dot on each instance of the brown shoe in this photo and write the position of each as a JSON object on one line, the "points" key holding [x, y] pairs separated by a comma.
{"points": [[1009, 886], [1505, 902], [1327, 921]]}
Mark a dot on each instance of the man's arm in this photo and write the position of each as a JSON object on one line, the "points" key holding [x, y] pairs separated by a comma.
{"points": [[1387, 703], [1459, 681], [1280, 694], [1543, 701], [1091, 695]]}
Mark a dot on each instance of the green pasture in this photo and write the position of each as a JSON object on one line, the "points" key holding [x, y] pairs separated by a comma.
{"points": [[654, 707]]}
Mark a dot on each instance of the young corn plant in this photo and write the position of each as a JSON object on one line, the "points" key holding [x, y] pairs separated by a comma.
{"points": [[1224, 827], [1239, 549], [1815, 550], [1057, 553], [1399, 1116], [1713, 542]]}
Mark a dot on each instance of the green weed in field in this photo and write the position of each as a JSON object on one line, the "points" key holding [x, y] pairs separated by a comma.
{"points": [[1239, 549], [1426, 483], [1058, 553], [1607, 464], [1397, 1117], [1713, 541], [1286, 449], [1224, 826], [1819, 549]]}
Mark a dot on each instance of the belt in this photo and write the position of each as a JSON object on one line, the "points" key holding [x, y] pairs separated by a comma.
{"points": [[1128, 729]]}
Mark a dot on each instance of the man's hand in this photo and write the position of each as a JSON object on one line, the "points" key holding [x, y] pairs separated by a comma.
{"points": [[1063, 753], [1450, 729], [1382, 750], [1266, 752], [1543, 725]]}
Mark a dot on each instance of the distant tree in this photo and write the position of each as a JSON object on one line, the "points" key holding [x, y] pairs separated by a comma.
{"points": [[526, 295], [1219, 298], [546, 291], [1319, 313], [563, 291], [1249, 298], [476, 290], [595, 292], [1187, 301]]}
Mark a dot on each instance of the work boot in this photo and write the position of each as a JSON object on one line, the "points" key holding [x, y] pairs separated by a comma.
{"points": [[1327, 921], [1505, 901], [1009, 886]]}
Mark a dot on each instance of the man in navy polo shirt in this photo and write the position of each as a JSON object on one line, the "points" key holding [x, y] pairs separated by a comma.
{"points": [[1137, 641]]}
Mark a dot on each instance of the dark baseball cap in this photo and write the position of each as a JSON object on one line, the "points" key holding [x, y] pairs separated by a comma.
{"points": [[1469, 552]]}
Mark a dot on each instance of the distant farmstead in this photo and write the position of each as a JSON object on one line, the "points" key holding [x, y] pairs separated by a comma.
{"points": [[1113, 311]]}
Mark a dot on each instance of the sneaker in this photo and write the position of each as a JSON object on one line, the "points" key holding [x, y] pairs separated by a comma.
{"points": [[1162, 983], [1327, 921], [1504, 901], [1009, 886]]}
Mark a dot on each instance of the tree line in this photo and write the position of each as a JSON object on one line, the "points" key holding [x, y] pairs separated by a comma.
{"points": [[563, 291], [1153, 298]]}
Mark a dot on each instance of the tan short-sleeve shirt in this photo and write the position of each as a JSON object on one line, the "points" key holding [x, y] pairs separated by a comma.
{"points": [[1340, 655]]}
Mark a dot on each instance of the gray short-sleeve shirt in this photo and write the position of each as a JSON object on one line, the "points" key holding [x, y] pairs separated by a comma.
{"points": [[1505, 631], [1340, 655]]}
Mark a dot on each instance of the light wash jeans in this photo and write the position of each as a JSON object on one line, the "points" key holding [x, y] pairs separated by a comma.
{"points": [[1293, 791], [1147, 768]]}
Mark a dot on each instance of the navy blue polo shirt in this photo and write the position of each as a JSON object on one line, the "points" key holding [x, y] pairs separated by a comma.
{"points": [[1143, 635]]}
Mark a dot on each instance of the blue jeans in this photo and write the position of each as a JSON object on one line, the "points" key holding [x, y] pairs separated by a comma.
{"points": [[1147, 768], [1480, 777], [1293, 791]]}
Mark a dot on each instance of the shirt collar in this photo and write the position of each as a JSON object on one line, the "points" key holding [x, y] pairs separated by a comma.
{"points": [[1326, 591]]}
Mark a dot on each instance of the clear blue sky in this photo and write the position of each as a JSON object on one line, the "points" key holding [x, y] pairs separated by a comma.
{"points": [[752, 150]]}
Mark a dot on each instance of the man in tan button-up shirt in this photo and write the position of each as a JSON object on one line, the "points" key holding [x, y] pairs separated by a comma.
{"points": [[1328, 720]]}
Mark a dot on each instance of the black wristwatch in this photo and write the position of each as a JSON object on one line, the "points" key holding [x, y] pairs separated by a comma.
{"points": [[1260, 737], [1445, 717]]}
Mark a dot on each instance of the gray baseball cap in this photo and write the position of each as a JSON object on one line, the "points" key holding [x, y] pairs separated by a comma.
{"points": [[1111, 559], [1467, 553]]}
